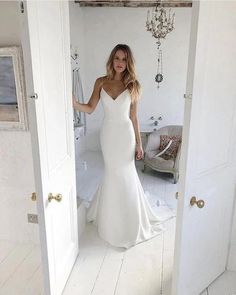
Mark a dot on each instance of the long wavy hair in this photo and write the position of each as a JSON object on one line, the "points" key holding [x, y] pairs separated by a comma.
{"points": [[129, 77]]}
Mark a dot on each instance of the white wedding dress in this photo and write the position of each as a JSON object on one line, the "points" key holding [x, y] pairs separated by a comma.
{"points": [[120, 208]]}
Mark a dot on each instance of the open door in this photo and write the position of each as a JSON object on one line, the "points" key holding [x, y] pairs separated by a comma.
{"points": [[46, 47], [202, 234]]}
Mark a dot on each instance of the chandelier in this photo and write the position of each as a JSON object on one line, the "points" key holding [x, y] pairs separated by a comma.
{"points": [[159, 24]]}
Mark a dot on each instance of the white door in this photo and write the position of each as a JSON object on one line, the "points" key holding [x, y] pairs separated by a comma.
{"points": [[202, 234], [48, 74]]}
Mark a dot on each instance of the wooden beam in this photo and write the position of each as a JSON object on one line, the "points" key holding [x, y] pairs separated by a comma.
{"points": [[134, 3]]}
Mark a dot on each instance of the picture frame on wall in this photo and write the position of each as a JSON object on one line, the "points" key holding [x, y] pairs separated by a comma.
{"points": [[13, 108]]}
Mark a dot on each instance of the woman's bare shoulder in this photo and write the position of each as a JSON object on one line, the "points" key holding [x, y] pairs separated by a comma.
{"points": [[100, 81]]}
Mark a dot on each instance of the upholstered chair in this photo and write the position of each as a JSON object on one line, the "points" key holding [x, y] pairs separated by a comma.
{"points": [[153, 157]]}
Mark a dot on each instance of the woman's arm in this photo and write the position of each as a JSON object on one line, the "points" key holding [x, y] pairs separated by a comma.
{"points": [[134, 119], [93, 101]]}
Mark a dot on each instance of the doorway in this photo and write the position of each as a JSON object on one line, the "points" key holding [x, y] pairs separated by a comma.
{"points": [[195, 236], [146, 268]]}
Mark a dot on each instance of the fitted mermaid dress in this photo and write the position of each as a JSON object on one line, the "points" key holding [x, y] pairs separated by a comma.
{"points": [[120, 209]]}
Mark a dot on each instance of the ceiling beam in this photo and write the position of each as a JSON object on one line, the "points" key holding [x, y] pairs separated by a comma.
{"points": [[134, 3]]}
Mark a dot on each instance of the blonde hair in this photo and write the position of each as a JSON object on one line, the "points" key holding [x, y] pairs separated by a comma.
{"points": [[129, 77]]}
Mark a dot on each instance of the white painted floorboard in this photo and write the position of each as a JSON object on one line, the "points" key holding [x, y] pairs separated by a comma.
{"points": [[224, 285], [101, 269], [143, 269], [105, 270], [20, 269]]}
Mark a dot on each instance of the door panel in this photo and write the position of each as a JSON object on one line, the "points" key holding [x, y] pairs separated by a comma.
{"points": [[51, 120], [202, 235]]}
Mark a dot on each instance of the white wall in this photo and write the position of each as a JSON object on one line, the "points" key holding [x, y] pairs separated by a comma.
{"points": [[232, 253], [77, 32], [77, 42], [104, 27], [16, 169]]}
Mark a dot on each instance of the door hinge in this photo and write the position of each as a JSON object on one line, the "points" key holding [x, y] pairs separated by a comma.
{"points": [[22, 9], [34, 96], [33, 196], [188, 96]]}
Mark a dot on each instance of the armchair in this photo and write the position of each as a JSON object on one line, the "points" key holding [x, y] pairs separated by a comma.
{"points": [[152, 154]]}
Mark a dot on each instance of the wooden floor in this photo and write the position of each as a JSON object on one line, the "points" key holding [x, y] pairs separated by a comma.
{"points": [[20, 269], [141, 270], [106, 270], [101, 269], [223, 285]]}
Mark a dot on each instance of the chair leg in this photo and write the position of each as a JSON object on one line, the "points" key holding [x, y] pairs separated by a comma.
{"points": [[176, 177]]}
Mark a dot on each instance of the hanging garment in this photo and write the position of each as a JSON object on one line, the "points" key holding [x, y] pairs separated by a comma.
{"points": [[79, 117]]}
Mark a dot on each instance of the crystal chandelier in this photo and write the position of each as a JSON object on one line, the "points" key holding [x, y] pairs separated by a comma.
{"points": [[159, 24]]}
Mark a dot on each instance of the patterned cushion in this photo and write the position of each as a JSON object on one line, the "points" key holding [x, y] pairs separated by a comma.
{"points": [[172, 151]]}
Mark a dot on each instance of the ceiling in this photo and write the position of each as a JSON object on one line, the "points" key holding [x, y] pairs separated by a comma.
{"points": [[134, 3]]}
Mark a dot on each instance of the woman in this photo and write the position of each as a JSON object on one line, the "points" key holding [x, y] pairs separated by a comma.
{"points": [[120, 209]]}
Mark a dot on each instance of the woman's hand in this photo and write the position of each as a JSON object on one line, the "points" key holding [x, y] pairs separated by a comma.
{"points": [[139, 152]]}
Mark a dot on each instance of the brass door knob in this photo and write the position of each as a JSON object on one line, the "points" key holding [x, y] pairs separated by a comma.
{"points": [[199, 203], [33, 196], [57, 197]]}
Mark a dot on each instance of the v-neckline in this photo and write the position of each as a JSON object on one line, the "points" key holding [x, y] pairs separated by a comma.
{"points": [[114, 99]]}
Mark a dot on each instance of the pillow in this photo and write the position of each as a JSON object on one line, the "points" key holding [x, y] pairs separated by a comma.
{"points": [[163, 151], [172, 150]]}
